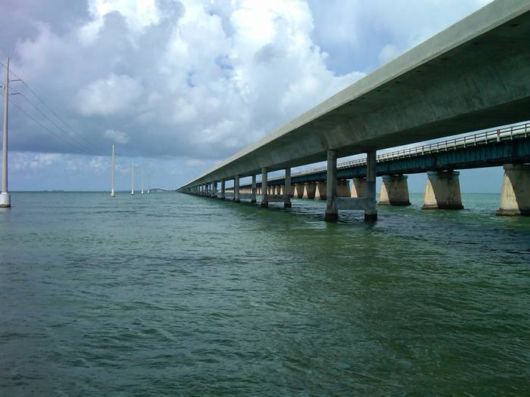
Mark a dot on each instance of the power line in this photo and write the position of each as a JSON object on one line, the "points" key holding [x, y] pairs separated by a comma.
{"points": [[78, 137], [67, 136], [59, 137]]}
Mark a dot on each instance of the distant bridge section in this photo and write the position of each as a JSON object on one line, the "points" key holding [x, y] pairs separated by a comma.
{"points": [[485, 149]]}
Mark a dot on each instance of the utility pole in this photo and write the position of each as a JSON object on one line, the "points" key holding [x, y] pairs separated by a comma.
{"points": [[142, 180], [132, 178], [4, 195], [112, 193], [148, 181]]}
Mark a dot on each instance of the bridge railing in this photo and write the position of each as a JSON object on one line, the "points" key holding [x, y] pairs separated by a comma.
{"points": [[482, 138]]}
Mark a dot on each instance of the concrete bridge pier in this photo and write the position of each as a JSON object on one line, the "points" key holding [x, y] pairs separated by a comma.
{"points": [[287, 189], [298, 190], [515, 193], [332, 214], [442, 191], [236, 189], [321, 191], [264, 189], [223, 190], [394, 190], [358, 187], [343, 188], [370, 213], [309, 190], [214, 189], [253, 190]]}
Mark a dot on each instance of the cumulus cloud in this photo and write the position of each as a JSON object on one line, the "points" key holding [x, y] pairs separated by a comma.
{"points": [[197, 79], [117, 136], [112, 95], [185, 78], [26, 160]]}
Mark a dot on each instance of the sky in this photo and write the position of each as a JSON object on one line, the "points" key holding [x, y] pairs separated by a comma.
{"points": [[178, 85]]}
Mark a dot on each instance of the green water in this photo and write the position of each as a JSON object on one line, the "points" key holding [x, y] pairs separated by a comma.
{"points": [[168, 294]]}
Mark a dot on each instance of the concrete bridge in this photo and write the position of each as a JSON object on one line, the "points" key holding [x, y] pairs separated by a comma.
{"points": [[474, 75]]}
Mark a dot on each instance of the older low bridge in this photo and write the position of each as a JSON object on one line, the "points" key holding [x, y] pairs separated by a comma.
{"points": [[474, 75]]}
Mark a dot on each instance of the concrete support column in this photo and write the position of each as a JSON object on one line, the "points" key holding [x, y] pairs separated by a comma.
{"points": [[214, 189], [309, 190], [331, 188], [236, 189], [298, 190], [370, 213], [264, 189], [394, 190], [358, 187], [321, 191], [343, 188], [515, 193], [223, 189], [253, 191], [442, 191], [287, 189]]}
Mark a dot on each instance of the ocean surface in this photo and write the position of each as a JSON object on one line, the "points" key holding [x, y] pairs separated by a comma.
{"points": [[173, 295]]}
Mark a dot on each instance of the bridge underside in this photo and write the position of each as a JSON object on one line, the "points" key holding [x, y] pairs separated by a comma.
{"points": [[472, 76]]}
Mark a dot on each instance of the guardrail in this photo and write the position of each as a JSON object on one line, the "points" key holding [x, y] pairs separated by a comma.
{"points": [[482, 138]]}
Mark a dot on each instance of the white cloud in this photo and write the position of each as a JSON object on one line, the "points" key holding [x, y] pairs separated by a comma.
{"points": [[138, 14], [199, 79], [113, 95], [28, 160], [117, 136]]}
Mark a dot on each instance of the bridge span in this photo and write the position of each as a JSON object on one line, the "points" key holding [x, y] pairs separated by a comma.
{"points": [[440, 160], [474, 75]]}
